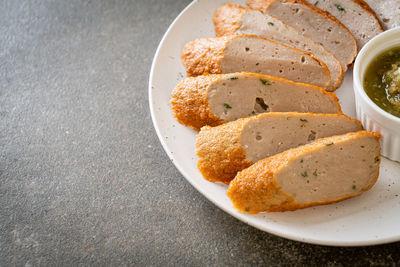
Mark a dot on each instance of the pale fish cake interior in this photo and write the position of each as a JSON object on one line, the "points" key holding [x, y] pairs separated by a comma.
{"points": [[241, 95], [258, 55]]}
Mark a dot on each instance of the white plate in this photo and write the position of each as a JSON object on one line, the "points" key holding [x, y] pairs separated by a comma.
{"points": [[372, 218]]}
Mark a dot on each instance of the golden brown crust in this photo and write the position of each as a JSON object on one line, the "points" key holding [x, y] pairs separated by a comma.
{"points": [[219, 149], [263, 5], [339, 79], [261, 180], [228, 18], [189, 102], [189, 98], [220, 153], [203, 56]]}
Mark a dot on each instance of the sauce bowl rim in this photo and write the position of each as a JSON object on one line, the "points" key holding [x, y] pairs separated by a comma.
{"points": [[370, 49]]}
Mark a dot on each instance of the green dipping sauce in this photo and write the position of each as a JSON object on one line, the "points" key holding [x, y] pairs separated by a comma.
{"points": [[382, 81]]}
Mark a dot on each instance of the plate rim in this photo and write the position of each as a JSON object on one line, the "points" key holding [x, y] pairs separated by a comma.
{"points": [[241, 217]]}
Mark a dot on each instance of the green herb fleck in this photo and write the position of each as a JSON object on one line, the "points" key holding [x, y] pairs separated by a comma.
{"points": [[315, 173], [301, 161], [321, 44], [304, 174], [270, 23], [265, 82], [354, 187], [303, 120], [257, 64], [253, 112], [233, 78], [316, 3], [329, 144], [227, 106], [340, 8], [247, 209]]}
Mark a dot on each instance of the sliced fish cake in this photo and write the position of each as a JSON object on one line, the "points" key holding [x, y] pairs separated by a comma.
{"points": [[234, 19], [229, 148], [388, 12], [219, 98], [356, 15], [253, 54], [323, 172], [315, 23]]}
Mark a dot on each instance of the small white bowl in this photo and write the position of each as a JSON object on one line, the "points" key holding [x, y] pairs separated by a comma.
{"points": [[371, 116]]}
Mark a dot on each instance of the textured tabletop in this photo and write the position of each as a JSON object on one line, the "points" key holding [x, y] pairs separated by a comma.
{"points": [[83, 177]]}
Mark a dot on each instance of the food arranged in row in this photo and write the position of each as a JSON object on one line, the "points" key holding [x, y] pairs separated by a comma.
{"points": [[247, 21], [355, 15], [315, 23], [259, 95], [227, 149], [236, 53]]}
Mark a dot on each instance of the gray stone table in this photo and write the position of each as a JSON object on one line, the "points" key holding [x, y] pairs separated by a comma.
{"points": [[83, 177]]}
